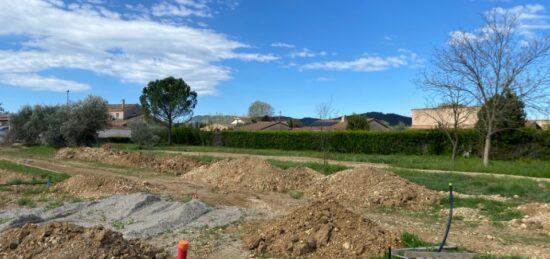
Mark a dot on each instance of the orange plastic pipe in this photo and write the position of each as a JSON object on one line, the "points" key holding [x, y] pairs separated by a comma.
{"points": [[182, 249]]}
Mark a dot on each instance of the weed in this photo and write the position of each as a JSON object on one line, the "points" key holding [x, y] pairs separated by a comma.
{"points": [[412, 240], [26, 202], [296, 195], [118, 225], [54, 204]]}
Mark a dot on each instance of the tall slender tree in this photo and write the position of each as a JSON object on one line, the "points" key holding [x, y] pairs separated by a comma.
{"points": [[168, 101]]}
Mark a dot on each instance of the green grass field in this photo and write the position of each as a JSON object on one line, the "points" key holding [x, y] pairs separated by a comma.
{"points": [[33, 171]]}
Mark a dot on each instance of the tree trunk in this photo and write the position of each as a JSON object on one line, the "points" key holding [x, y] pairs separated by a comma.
{"points": [[486, 149], [455, 149], [170, 133]]}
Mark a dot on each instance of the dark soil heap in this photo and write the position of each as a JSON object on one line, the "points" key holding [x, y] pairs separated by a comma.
{"points": [[177, 164], [323, 229], [372, 187], [253, 174], [64, 240]]}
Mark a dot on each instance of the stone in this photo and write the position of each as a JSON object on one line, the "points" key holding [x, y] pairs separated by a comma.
{"points": [[322, 236]]}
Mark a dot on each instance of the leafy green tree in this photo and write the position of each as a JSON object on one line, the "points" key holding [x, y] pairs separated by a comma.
{"points": [[85, 118], [294, 123], [58, 126], [168, 101], [1, 109], [260, 109], [144, 135], [357, 122], [511, 115]]}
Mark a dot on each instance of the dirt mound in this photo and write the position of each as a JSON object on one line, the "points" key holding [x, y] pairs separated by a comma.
{"points": [[177, 164], [252, 173], [370, 186], [536, 217], [63, 240], [7, 177], [323, 229], [89, 186]]}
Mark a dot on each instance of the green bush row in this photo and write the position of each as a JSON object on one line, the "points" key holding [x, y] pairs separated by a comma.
{"points": [[506, 145]]}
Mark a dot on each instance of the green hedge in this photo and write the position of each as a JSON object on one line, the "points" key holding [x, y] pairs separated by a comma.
{"points": [[507, 145]]}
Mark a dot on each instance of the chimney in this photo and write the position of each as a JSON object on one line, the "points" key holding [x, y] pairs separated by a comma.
{"points": [[123, 105]]}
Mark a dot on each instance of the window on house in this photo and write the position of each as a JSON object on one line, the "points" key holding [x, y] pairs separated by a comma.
{"points": [[117, 115]]}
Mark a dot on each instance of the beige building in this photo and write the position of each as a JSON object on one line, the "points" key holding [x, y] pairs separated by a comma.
{"points": [[4, 119], [264, 125], [124, 111], [216, 127], [430, 118], [538, 124], [342, 124]]}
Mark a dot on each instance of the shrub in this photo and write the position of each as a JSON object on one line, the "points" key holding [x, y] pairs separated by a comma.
{"points": [[58, 126], [144, 135]]}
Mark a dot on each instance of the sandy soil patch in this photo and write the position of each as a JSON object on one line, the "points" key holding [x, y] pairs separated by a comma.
{"points": [[178, 164], [94, 186], [370, 186], [252, 174], [7, 176]]}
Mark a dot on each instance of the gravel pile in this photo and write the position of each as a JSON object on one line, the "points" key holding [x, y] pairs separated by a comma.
{"points": [[137, 215]]}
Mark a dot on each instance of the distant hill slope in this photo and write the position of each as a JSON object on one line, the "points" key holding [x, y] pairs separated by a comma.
{"points": [[391, 118]]}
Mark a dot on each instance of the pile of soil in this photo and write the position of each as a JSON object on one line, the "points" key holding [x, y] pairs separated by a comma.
{"points": [[323, 229], [536, 217], [7, 176], [64, 240], [369, 186], [92, 186], [251, 173], [178, 164]]}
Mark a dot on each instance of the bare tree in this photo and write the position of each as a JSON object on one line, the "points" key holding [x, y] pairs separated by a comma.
{"points": [[260, 109], [450, 111], [491, 61], [324, 111]]}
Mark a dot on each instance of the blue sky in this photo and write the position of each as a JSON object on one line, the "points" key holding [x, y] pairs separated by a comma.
{"points": [[363, 55]]}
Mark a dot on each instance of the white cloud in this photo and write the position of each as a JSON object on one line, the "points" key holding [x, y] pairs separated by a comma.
{"points": [[181, 8], [530, 17], [134, 51], [306, 53], [37, 82], [369, 63], [323, 79], [282, 45]]}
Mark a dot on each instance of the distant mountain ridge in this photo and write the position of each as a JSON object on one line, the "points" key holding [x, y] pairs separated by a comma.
{"points": [[391, 118]]}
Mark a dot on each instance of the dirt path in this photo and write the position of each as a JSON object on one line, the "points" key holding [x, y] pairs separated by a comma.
{"points": [[345, 163], [270, 204]]}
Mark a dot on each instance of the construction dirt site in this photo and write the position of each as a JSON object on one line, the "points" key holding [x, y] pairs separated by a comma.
{"points": [[122, 204]]}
